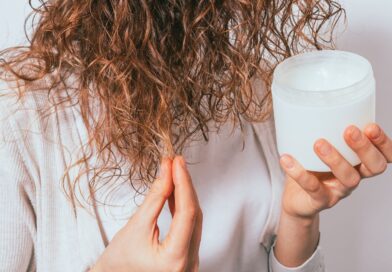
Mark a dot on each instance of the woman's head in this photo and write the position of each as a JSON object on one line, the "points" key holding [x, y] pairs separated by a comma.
{"points": [[162, 70]]}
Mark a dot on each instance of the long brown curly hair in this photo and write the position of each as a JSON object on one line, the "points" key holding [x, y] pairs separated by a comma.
{"points": [[162, 70]]}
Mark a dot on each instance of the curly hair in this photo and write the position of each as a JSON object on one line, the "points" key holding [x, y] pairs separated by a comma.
{"points": [[162, 70]]}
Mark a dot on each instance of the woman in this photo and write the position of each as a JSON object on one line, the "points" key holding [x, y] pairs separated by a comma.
{"points": [[96, 108]]}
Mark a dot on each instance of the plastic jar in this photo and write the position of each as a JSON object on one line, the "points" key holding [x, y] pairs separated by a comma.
{"points": [[318, 95]]}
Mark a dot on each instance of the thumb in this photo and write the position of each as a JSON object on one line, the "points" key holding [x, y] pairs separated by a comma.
{"points": [[159, 192], [186, 209]]}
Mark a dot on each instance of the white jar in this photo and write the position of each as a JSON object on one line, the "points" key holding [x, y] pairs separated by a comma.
{"points": [[318, 95]]}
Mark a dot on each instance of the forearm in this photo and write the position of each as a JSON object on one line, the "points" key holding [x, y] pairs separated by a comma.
{"points": [[297, 239]]}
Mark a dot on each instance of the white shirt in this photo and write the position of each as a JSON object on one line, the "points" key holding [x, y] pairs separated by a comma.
{"points": [[239, 190]]}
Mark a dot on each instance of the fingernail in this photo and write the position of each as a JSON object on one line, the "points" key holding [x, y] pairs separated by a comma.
{"points": [[324, 149], [287, 162], [355, 134], [375, 132]]}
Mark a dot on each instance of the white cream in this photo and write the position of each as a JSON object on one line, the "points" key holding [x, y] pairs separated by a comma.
{"points": [[317, 95]]}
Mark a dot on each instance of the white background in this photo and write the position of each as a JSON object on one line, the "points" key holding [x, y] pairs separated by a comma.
{"points": [[357, 234]]}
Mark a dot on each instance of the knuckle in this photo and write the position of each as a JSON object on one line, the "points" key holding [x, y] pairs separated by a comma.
{"points": [[354, 180], [379, 169], [343, 194], [301, 175], [334, 161], [332, 202], [383, 166], [193, 212], [365, 144], [381, 139], [312, 187]]}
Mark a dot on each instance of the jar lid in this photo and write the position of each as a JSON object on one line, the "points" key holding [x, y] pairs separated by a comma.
{"points": [[319, 78]]}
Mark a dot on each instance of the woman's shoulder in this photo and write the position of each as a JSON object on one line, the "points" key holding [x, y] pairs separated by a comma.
{"points": [[13, 104], [26, 103], [33, 117]]}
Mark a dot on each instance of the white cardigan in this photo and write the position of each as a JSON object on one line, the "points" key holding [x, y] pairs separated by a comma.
{"points": [[239, 190]]}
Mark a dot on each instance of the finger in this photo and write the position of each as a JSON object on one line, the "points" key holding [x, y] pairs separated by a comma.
{"points": [[159, 192], [363, 170], [368, 153], [305, 179], [193, 253], [186, 210], [344, 172], [193, 263], [379, 138]]}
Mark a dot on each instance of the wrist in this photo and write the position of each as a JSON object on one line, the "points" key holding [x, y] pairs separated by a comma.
{"points": [[300, 220], [297, 238]]}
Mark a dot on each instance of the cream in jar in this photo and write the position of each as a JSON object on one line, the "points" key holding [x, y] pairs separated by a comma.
{"points": [[318, 95]]}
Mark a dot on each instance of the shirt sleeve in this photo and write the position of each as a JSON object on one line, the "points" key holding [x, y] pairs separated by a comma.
{"points": [[315, 263], [17, 217]]}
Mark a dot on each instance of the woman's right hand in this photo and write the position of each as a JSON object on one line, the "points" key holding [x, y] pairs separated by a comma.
{"points": [[136, 246]]}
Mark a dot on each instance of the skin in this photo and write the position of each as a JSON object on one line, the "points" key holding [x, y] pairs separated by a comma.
{"points": [[136, 246], [307, 193]]}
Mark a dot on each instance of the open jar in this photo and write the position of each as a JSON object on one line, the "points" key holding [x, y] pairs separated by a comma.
{"points": [[318, 95]]}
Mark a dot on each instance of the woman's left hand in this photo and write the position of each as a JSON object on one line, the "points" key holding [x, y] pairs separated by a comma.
{"points": [[307, 193]]}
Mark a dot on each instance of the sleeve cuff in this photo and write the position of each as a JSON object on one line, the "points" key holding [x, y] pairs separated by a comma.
{"points": [[315, 263]]}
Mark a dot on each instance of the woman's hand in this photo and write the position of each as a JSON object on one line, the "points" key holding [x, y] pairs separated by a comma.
{"points": [[307, 193], [136, 247]]}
